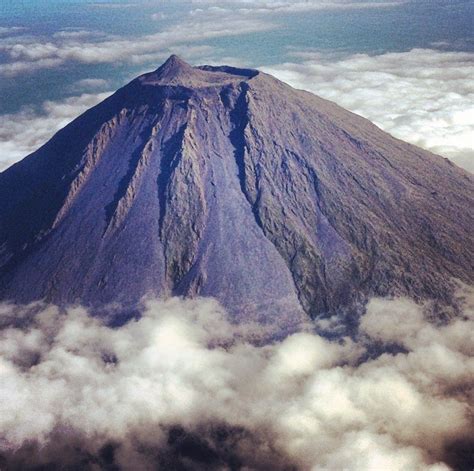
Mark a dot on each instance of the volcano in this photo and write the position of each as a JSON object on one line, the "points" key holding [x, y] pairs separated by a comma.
{"points": [[226, 182]]}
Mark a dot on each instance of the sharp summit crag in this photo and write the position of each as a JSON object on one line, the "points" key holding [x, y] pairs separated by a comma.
{"points": [[226, 182]]}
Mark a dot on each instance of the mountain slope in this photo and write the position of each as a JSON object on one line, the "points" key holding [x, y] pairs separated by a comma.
{"points": [[226, 182]]}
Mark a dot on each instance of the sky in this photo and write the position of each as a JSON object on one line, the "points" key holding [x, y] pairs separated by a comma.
{"points": [[404, 64]]}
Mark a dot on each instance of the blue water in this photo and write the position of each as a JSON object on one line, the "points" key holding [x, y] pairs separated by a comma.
{"points": [[446, 24]]}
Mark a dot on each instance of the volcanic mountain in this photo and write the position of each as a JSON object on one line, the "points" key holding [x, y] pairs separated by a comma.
{"points": [[226, 182]]}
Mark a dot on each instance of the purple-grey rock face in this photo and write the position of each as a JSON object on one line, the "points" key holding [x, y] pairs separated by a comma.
{"points": [[227, 182]]}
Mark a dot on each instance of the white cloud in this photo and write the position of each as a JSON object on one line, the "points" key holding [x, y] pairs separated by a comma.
{"points": [[31, 53], [69, 383], [74, 33], [7, 30], [19, 67], [279, 6], [112, 5], [422, 96]]}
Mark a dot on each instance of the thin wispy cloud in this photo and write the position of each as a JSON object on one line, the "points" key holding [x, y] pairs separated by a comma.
{"points": [[33, 53], [277, 6], [9, 30], [112, 5], [77, 33]]}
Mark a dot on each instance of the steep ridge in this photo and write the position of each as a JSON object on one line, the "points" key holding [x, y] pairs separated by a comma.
{"points": [[225, 182]]}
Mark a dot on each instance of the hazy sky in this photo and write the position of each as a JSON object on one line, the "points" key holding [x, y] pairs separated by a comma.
{"points": [[405, 64]]}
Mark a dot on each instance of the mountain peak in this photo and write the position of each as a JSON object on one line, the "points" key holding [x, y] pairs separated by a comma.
{"points": [[177, 72], [175, 59], [173, 66], [214, 181]]}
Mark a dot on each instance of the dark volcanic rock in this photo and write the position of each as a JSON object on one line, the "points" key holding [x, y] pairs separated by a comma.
{"points": [[227, 182]]}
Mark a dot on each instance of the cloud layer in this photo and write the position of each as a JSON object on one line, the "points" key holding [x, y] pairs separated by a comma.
{"points": [[29, 53], [182, 386], [425, 97]]}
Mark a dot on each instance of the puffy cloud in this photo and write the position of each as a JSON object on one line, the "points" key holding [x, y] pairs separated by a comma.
{"points": [[24, 132], [422, 96], [182, 385]]}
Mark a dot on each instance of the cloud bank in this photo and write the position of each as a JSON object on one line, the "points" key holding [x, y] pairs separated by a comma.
{"points": [[181, 388], [423, 96]]}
